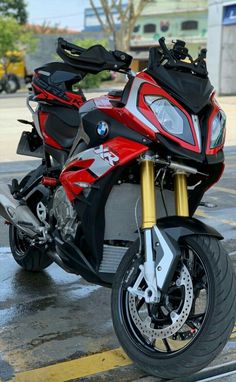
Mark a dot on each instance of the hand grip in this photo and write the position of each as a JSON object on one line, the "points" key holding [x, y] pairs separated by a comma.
{"points": [[63, 44]]}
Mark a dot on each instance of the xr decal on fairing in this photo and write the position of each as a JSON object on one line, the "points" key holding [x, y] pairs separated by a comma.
{"points": [[107, 155]]}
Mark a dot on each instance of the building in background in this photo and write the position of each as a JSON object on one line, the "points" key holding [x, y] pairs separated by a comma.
{"points": [[173, 19], [222, 45], [91, 23]]}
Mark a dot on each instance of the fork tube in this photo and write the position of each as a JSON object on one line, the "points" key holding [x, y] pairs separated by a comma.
{"points": [[148, 193], [181, 194]]}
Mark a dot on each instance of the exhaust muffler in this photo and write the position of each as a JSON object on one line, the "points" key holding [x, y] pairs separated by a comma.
{"points": [[18, 213]]}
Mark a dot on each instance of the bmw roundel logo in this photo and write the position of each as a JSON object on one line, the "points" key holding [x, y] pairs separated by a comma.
{"points": [[102, 128]]}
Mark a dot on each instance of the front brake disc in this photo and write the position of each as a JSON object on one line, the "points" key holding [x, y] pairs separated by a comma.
{"points": [[178, 318]]}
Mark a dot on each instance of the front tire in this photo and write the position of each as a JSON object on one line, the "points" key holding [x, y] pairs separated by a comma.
{"points": [[29, 257], [208, 326]]}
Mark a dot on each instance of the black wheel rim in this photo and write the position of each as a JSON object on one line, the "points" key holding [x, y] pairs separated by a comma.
{"points": [[183, 338], [21, 243]]}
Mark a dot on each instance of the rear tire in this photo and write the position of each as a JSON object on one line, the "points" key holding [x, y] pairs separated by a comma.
{"points": [[216, 323], [29, 257]]}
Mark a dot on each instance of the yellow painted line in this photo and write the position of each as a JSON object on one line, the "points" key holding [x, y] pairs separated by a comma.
{"points": [[229, 222], [233, 336], [227, 190], [78, 368], [202, 214]]}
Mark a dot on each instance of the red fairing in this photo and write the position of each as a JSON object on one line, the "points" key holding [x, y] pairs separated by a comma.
{"points": [[147, 89], [47, 139], [72, 99], [137, 115], [129, 114], [85, 168], [216, 108], [77, 172]]}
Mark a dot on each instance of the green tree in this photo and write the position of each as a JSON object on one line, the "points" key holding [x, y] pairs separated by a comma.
{"points": [[14, 8], [92, 80], [13, 36]]}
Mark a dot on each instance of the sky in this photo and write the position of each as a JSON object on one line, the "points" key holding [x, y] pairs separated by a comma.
{"points": [[68, 13]]}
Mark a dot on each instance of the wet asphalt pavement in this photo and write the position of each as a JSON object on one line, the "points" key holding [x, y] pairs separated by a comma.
{"points": [[49, 317]]}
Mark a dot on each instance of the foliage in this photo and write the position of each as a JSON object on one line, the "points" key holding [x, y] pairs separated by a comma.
{"points": [[14, 8], [13, 36], [128, 14], [47, 28], [92, 80]]}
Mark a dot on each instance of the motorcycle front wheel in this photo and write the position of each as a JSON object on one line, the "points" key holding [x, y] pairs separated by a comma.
{"points": [[191, 323]]}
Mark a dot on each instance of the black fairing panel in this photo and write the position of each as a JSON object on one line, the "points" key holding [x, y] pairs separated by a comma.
{"points": [[67, 115], [91, 212], [58, 73], [188, 154], [191, 90], [62, 124], [178, 227], [59, 155], [90, 117], [116, 129], [61, 132]]}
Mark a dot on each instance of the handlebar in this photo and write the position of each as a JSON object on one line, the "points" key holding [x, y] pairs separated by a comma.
{"points": [[63, 44], [172, 58], [94, 59]]}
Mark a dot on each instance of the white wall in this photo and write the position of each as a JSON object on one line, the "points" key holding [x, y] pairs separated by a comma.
{"points": [[221, 45], [215, 13]]}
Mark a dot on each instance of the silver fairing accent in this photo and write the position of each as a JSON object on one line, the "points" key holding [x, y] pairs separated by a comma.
{"points": [[35, 116], [196, 125], [163, 266], [131, 105]]}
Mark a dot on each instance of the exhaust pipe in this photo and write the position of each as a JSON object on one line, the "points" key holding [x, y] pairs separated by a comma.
{"points": [[18, 213]]}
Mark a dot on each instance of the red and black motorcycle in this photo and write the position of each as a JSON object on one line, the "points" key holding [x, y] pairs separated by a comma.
{"points": [[114, 198]]}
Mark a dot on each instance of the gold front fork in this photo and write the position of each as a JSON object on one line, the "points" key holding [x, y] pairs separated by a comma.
{"points": [[181, 194], [148, 193]]}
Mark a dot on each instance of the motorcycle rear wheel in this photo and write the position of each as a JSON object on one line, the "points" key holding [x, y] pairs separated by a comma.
{"points": [[29, 257], [208, 326]]}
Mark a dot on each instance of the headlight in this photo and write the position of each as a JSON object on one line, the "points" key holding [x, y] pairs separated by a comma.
{"points": [[218, 130], [171, 118]]}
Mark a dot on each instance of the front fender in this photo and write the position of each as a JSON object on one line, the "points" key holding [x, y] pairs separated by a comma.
{"points": [[177, 227]]}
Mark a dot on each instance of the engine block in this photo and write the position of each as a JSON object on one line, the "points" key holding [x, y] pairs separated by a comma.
{"points": [[64, 214]]}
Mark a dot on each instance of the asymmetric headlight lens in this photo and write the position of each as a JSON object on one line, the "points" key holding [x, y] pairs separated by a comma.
{"points": [[218, 130], [171, 118]]}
